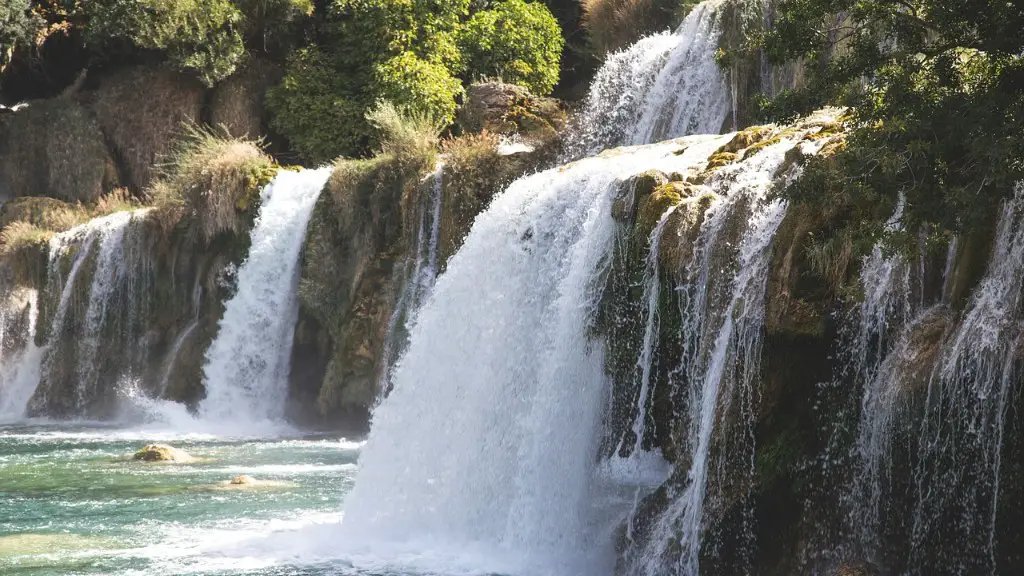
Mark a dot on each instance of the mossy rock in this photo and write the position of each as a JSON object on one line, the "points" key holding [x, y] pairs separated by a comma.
{"points": [[39, 211], [500, 108], [237, 103], [162, 453], [634, 191], [720, 159], [745, 139], [53, 148], [665, 196]]}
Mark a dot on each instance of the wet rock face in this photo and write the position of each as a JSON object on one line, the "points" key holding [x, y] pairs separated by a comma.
{"points": [[502, 108], [53, 148]]}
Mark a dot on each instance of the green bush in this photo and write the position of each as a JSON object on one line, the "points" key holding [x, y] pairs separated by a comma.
{"points": [[202, 37], [18, 25], [517, 41], [369, 50]]}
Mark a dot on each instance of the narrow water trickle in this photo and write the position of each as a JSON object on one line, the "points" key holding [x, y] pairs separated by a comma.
{"points": [[19, 372], [247, 364]]}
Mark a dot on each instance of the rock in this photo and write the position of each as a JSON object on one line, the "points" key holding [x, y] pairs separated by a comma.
{"points": [[53, 148], [242, 480], [856, 569], [162, 453], [141, 110], [509, 109], [237, 103]]}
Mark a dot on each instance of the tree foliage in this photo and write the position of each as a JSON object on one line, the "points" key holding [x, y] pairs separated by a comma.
{"points": [[410, 52], [937, 90], [516, 40], [18, 25]]}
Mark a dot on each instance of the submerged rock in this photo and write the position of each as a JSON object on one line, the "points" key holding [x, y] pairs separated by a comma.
{"points": [[242, 480], [162, 453], [245, 482]]}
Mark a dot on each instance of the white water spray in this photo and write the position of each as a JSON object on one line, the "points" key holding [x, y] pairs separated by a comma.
{"points": [[489, 438], [664, 86], [247, 365]]}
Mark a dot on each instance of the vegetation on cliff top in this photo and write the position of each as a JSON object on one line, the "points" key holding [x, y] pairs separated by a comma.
{"points": [[941, 118]]}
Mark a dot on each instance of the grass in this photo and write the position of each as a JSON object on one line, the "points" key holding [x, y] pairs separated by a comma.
{"points": [[408, 137], [211, 179]]}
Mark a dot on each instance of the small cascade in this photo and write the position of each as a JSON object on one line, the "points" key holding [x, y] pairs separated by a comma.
{"points": [[98, 263], [419, 274], [489, 438], [247, 364], [645, 361], [172, 358], [110, 272], [883, 314], [957, 481], [664, 86], [723, 303], [19, 370]]}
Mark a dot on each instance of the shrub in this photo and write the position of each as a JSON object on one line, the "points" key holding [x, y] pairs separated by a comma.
{"points": [[202, 37], [211, 179], [423, 88], [519, 41], [18, 25], [409, 137]]}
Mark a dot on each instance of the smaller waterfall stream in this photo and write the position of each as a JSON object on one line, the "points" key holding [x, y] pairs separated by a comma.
{"points": [[961, 438], [663, 86], [247, 364], [19, 373]]}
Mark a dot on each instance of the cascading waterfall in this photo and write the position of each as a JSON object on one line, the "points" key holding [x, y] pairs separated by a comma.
{"points": [[884, 313], [664, 86], [110, 271], [645, 361], [490, 435], [420, 272], [19, 373], [965, 414], [247, 364]]}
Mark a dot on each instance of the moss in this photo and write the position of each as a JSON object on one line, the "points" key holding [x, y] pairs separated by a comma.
{"points": [[720, 159], [779, 455], [757, 147], [53, 148], [26, 247], [745, 139], [654, 205]]}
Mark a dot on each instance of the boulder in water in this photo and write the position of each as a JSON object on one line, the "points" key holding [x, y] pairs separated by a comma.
{"points": [[242, 480], [162, 453]]}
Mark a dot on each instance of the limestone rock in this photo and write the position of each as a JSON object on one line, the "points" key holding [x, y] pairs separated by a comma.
{"points": [[237, 103], [507, 109], [53, 148], [242, 480], [140, 110], [162, 453]]}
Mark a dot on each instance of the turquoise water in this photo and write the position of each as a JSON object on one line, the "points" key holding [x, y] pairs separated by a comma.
{"points": [[72, 502]]}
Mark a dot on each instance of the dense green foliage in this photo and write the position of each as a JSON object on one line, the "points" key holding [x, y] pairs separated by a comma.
{"points": [[937, 90], [411, 52], [516, 40], [18, 25], [200, 36]]}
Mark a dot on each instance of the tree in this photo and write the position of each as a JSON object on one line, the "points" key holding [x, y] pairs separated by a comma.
{"points": [[937, 90], [516, 40], [18, 25]]}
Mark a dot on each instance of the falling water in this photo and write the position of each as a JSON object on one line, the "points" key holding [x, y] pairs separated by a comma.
{"points": [[420, 271], [172, 357], [884, 313], [645, 361], [19, 373], [247, 364], [664, 86], [110, 270], [965, 411], [722, 349], [489, 438]]}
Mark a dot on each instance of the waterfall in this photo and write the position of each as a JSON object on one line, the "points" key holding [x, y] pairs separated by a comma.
{"points": [[489, 438], [645, 361], [19, 373], [419, 273], [883, 314], [722, 331], [172, 358], [247, 364], [664, 86], [110, 271], [957, 480]]}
